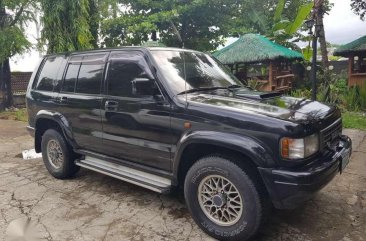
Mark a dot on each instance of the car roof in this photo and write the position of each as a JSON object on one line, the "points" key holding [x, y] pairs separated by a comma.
{"points": [[141, 48]]}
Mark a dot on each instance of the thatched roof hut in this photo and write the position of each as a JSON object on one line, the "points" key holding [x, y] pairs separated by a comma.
{"points": [[256, 50], [356, 52], [353, 48]]}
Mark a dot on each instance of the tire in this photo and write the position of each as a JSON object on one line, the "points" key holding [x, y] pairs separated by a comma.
{"points": [[200, 179], [57, 155]]}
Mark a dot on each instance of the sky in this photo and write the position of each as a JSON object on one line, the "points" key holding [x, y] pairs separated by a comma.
{"points": [[341, 26]]}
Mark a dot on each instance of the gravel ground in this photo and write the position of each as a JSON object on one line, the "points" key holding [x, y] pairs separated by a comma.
{"points": [[96, 207]]}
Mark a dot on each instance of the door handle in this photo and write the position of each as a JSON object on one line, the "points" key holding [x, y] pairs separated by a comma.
{"points": [[111, 105], [62, 99]]}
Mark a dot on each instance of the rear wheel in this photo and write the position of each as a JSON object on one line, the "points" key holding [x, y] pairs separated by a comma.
{"points": [[223, 199], [57, 155]]}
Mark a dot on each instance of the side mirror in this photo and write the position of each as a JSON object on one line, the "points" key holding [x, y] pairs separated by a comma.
{"points": [[143, 86]]}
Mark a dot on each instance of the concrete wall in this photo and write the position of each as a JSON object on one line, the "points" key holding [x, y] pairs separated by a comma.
{"points": [[19, 100], [339, 66]]}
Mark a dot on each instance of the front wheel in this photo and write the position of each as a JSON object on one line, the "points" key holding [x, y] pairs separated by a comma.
{"points": [[223, 199]]}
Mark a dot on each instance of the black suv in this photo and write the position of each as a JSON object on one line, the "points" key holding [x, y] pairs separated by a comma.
{"points": [[163, 118]]}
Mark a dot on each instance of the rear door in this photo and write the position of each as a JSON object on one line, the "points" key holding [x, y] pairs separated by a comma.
{"points": [[136, 127], [43, 93], [80, 99]]}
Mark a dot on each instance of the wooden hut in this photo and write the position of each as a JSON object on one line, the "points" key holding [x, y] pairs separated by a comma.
{"points": [[255, 58], [356, 53]]}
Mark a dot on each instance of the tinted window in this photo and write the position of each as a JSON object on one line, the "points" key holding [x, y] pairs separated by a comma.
{"points": [[57, 84], [95, 58], [90, 76], [70, 78], [124, 69], [49, 76], [189, 70]]}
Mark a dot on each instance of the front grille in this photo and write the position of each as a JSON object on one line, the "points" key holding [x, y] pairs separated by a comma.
{"points": [[332, 133]]}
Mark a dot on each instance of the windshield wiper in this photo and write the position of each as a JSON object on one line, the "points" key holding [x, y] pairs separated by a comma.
{"points": [[200, 89], [232, 87]]}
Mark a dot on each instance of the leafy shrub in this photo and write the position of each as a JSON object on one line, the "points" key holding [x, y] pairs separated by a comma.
{"points": [[337, 93], [332, 93], [254, 84], [301, 93], [350, 100], [363, 97]]}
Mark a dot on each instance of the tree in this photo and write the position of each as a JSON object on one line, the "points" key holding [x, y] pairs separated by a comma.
{"points": [[94, 21], [253, 16], [321, 8], [359, 7], [14, 14], [286, 24], [67, 25], [280, 20], [174, 20], [140, 20], [98, 10]]}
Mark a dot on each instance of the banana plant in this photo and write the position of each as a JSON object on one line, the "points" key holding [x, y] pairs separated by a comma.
{"points": [[285, 29], [307, 52]]}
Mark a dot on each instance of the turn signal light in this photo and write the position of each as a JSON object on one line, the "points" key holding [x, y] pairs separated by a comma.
{"points": [[285, 147]]}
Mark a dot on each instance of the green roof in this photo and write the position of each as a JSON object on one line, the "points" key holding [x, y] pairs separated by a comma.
{"points": [[253, 48], [359, 45]]}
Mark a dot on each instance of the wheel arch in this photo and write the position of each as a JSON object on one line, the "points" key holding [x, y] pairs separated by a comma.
{"points": [[245, 150], [51, 120]]}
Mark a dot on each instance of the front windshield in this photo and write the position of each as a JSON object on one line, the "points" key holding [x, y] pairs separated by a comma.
{"points": [[201, 70]]}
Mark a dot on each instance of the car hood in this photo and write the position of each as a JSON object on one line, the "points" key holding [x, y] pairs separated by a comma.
{"points": [[282, 107]]}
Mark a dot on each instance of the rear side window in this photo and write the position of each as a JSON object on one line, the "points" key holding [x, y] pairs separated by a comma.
{"points": [[51, 73], [70, 78], [89, 80], [84, 74]]}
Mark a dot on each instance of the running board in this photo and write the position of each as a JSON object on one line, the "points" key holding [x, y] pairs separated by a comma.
{"points": [[137, 177]]}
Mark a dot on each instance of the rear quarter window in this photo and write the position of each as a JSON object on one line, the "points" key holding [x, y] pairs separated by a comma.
{"points": [[70, 78], [50, 76]]}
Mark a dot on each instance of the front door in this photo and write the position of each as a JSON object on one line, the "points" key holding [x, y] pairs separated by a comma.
{"points": [[136, 126]]}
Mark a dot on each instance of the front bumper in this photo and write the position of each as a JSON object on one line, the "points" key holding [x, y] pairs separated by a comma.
{"points": [[288, 188]]}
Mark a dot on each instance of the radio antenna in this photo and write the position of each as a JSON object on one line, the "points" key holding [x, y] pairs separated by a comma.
{"points": [[185, 78]]}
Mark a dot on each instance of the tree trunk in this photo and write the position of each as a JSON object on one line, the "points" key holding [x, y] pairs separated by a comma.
{"points": [[154, 36], [2, 83], [94, 22], [178, 34], [319, 15], [322, 41], [6, 96], [2, 90]]}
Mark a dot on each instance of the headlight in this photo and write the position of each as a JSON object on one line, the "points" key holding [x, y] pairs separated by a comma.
{"points": [[299, 148]]}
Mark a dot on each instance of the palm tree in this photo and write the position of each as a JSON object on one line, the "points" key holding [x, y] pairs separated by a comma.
{"points": [[320, 8]]}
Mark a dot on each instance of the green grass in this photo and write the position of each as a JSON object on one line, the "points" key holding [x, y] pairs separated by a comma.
{"points": [[354, 120], [18, 115]]}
